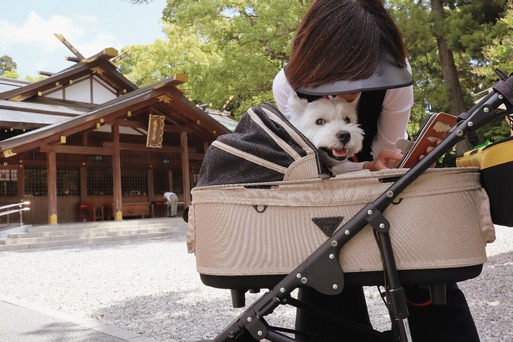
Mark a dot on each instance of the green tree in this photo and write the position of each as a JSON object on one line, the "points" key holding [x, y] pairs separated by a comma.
{"points": [[499, 55], [469, 29], [228, 48], [6, 65], [235, 48], [445, 41], [498, 52]]}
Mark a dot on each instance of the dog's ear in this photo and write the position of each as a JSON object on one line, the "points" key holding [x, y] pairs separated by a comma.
{"points": [[297, 105]]}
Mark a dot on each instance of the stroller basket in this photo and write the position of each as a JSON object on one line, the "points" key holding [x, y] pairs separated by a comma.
{"points": [[250, 236]]}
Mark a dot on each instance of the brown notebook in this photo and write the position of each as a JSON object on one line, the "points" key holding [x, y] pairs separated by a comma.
{"points": [[434, 129]]}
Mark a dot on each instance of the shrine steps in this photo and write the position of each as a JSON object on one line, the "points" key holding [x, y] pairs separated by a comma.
{"points": [[69, 234]]}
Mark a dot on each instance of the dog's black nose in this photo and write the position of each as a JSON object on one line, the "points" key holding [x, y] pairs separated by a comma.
{"points": [[344, 137]]}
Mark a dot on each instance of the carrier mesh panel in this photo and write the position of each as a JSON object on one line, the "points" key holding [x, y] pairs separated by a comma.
{"points": [[221, 167]]}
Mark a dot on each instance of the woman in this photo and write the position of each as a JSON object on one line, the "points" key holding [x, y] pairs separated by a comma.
{"points": [[350, 40], [353, 49]]}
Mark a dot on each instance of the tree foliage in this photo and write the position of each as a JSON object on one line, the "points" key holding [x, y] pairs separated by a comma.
{"points": [[228, 48], [467, 28], [498, 51], [6, 65], [236, 47], [498, 55]]}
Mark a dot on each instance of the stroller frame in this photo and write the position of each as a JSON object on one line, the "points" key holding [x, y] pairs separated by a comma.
{"points": [[322, 271]]}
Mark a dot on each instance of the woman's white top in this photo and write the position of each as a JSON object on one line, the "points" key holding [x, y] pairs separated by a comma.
{"points": [[391, 123]]}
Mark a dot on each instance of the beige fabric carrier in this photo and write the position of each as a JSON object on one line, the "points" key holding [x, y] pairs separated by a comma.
{"points": [[442, 220]]}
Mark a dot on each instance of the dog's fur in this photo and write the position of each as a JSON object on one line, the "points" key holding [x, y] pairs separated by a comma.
{"points": [[331, 125]]}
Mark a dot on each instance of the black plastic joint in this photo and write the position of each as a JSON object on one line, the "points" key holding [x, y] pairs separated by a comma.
{"points": [[377, 220], [397, 301]]}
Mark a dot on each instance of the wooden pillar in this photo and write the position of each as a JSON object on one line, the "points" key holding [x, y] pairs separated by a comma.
{"points": [[117, 207], [83, 173], [52, 188], [151, 193], [21, 182], [83, 183], [185, 170]]}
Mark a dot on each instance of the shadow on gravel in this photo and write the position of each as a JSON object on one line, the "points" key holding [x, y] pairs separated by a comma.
{"points": [[61, 332], [176, 316], [490, 297]]}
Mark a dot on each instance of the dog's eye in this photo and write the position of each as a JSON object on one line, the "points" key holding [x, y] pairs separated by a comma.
{"points": [[348, 121], [320, 122]]}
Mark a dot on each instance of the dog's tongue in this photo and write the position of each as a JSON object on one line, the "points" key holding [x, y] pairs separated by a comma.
{"points": [[339, 152]]}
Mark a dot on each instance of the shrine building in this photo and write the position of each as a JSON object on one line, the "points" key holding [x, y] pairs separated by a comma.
{"points": [[87, 144]]}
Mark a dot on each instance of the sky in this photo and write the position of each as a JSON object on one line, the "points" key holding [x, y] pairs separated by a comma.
{"points": [[27, 30]]}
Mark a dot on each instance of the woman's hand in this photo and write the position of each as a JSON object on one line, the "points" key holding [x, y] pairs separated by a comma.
{"points": [[386, 159]]}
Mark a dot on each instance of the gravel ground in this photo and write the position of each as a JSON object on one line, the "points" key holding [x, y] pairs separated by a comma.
{"points": [[151, 287]]}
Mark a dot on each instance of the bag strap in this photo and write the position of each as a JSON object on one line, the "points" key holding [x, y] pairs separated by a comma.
{"points": [[249, 157], [369, 109], [285, 146], [300, 140]]}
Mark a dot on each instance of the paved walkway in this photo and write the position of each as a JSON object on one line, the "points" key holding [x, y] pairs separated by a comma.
{"points": [[27, 322]]}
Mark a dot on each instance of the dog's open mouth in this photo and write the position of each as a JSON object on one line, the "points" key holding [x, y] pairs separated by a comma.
{"points": [[336, 153]]}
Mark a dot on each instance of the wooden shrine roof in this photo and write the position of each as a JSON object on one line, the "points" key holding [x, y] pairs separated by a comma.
{"points": [[129, 110], [54, 119]]}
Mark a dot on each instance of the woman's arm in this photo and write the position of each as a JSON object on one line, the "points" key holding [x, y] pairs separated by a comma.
{"points": [[393, 119], [282, 91]]}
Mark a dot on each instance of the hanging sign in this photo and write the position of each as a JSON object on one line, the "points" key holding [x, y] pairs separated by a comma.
{"points": [[155, 131]]}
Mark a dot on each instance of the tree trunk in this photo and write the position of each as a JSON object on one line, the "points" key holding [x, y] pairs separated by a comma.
{"points": [[449, 70]]}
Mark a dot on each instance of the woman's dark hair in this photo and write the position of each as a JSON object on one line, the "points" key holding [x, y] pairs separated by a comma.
{"points": [[342, 40]]}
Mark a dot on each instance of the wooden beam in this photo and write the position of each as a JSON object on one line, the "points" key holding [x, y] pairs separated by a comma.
{"points": [[45, 73], [108, 149], [107, 53], [141, 125], [141, 147], [69, 46], [72, 59], [165, 149], [67, 149]]}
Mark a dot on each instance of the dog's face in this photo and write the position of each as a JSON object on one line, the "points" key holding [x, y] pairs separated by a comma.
{"points": [[330, 124]]}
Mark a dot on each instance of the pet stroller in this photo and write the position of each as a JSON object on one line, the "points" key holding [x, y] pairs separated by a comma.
{"points": [[281, 225]]}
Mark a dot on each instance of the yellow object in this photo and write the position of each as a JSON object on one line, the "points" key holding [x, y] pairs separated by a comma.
{"points": [[52, 219], [496, 164], [488, 156]]}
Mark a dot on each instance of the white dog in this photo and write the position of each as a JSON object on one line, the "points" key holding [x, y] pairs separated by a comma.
{"points": [[331, 125]]}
